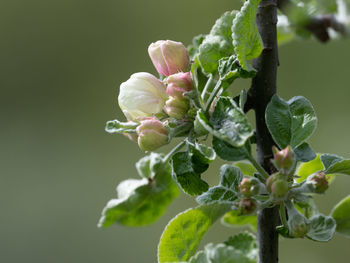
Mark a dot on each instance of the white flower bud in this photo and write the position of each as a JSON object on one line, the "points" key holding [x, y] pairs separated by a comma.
{"points": [[143, 95]]}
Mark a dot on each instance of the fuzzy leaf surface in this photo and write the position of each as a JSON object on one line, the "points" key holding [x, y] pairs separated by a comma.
{"points": [[183, 233], [322, 228]]}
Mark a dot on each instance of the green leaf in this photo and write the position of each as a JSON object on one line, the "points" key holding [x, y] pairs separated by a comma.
{"points": [[230, 122], [217, 44], [246, 39], [305, 153], [229, 70], [226, 191], [292, 122], [341, 167], [329, 159], [193, 49], [234, 219], [188, 174], [246, 168], [116, 126], [201, 153], [141, 202], [322, 228], [341, 214], [221, 253], [246, 243], [230, 153], [148, 166], [183, 234]]}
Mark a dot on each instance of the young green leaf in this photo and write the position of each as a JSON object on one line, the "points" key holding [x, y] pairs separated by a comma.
{"points": [[217, 44], [234, 219], [193, 49], [231, 123], [311, 167], [246, 168], [305, 153], [183, 234], [246, 39], [188, 173], [116, 126], [322, 228], [329, 159], [221, 253], [341, 167], [229, 153], [292, 122], [246, 243], [226, 191], [201, 153], [341, 214], [141, 202]]}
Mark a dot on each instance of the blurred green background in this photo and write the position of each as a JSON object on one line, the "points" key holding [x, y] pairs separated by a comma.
{"points": [[61, 63]]}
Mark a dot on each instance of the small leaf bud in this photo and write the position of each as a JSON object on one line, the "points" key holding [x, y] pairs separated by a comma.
{"points": [[169, 57], [152, 134]]}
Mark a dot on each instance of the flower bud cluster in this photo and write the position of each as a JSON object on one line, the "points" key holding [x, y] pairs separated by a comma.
{"points": [[317, 183], [277, 185], [284, 160], [144, 98]]}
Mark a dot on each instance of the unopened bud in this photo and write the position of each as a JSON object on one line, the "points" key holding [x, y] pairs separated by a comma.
{"points": [[169, 57], [247, 206], [277, 185], [319, 182], [152, 134], [284, 159], [143, 95], [249, 186], [176, 108], [178, 84]]}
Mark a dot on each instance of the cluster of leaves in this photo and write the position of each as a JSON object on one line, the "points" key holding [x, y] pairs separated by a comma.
{"points": [[220, 57]]}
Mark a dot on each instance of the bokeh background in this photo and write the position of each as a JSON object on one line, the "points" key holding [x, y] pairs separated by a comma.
{"points": [[61, 64]]}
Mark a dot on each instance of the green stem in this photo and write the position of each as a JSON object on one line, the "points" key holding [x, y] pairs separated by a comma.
{"points": [[207, 88], [212, 96], [283, 214], [174, 150], [258, 167]]}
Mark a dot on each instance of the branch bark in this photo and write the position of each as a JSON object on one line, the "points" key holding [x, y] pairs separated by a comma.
{"points": [[317, 25], [262, 89]]}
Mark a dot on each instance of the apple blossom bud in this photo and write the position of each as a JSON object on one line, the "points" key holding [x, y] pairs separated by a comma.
{"points": [[178, 84], [176, 108], [249, 186], [277, 185], [247, 206], [169, 57], [284, 159], [318, 182], [152, 134], [143, 95]]}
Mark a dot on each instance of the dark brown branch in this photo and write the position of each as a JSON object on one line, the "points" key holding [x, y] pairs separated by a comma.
{"points": [[262, 89], [317, 25]]}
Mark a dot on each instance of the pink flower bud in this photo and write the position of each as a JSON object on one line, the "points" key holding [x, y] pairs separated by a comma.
{"points": [[152, 134], [277, 185], [169, 57], [319, 182], [176, 108], [178, 84], [249, 186], [247, 206], [284, 159]]}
